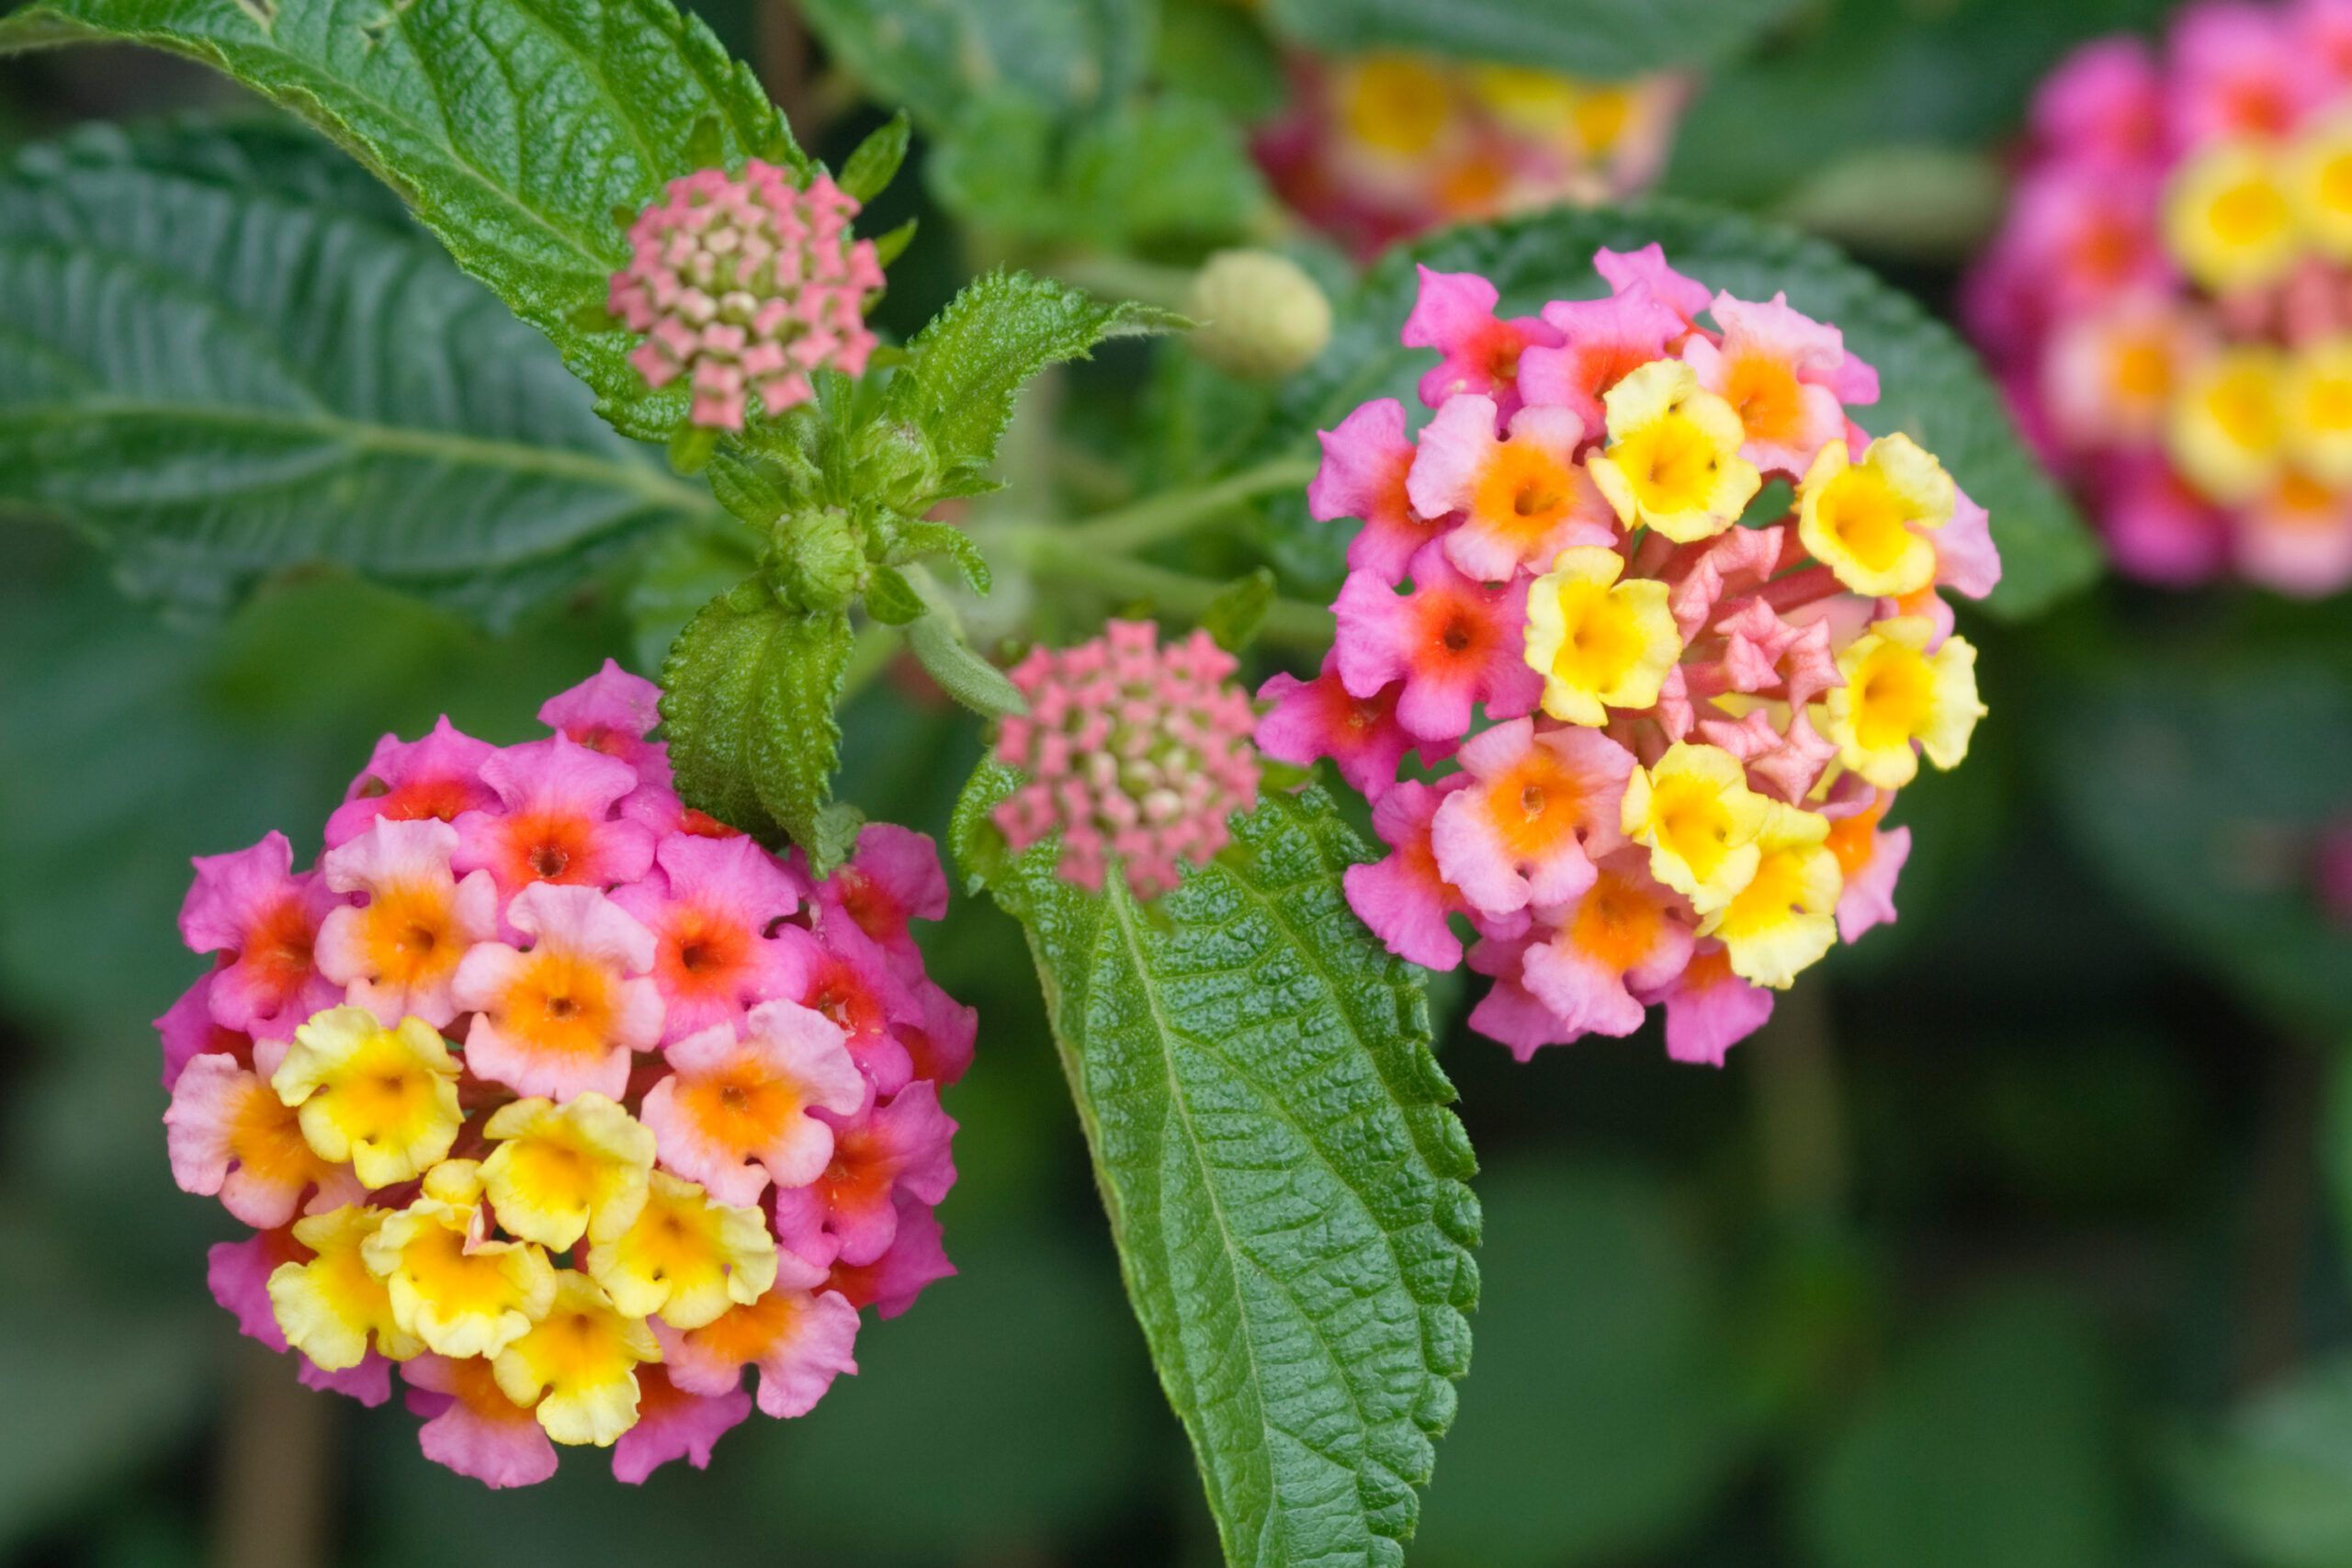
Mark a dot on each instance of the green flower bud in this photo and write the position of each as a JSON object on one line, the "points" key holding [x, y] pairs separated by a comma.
{"points": [[1262, 317], [821, 558]]}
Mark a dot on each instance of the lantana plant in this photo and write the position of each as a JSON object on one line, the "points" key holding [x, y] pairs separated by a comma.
{"points": [[587, 1088], [2169, 302]]}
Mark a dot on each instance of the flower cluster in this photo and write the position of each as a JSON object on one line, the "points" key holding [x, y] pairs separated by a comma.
{"points": [[1381, 146], [1132, 750], [2169, 302], [743, 284], [1695, 724], [569, 1100]]}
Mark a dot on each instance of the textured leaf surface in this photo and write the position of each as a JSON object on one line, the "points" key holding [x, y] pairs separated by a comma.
{"points": [[748, 706], [1283, 1181], [1932, 386], [228, 354], [1589, 38], [513, 127], [955, 395]]}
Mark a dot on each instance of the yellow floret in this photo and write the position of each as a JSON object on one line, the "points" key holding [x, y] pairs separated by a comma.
{"points": [[561, 1172], [2230, 217], [331, 1306], [1699, 819], [1786, 917], [579, 1364], [2227, 429], [1897, 693], [1672, 462], [686, 1256], [1869, 521], [1599, 643]]}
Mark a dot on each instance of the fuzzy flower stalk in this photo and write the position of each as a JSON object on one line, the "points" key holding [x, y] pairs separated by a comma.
{"points": [[744, 285], [1375, 148], [1134, 754], [1655, 737], [2170, 300], [567, 1103]]}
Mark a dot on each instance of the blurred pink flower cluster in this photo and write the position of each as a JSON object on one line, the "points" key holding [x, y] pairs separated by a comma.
{"points": [[2170, 300], [568, 1101], [1378, 147], [1694, 720], [744, 285]]}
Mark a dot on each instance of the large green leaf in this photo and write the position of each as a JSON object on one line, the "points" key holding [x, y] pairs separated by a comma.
{"points": [[515, 127], [1602, 39], [1284, 1182], [1931, 386], [935, 56], [227, 355]]}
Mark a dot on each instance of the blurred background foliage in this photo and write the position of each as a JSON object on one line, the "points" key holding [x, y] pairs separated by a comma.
{"points": [[2024, 1236]]}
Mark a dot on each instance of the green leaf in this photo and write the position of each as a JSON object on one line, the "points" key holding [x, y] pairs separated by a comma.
{"points": [[748, 709], [956, 397], [1593, 38], [962, 673], [227, 355], [683, 571], [2198, 782], [1932, 387], [1608, 1417], [890, 599], [515, 127], [1283, 1181], [1239, 608], [870, 169], [2279, 1482], [934, 55], [1994, 1443], [1170, 171]]}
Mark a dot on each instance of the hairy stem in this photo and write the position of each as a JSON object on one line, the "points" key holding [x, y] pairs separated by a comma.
{"points": [[1055, 556]]}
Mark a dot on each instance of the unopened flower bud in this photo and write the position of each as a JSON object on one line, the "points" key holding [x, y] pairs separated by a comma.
{"points": [[1262, 317]]}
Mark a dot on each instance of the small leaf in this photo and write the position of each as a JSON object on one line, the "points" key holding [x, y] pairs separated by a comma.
{"points": [[962, 673], [748, 703], [231, 354], [921, 539], [973, 356], [890, 599], [1595, 39], [870, 169], [1932, 387], [691, 447], [889, 246], [1239, 608], [515, 129], [1285, 1183]]}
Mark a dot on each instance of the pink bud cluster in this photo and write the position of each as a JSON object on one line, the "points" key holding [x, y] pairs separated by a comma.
{"points": [[1375, 148], [745, 285], [1133, 753], [2168, 301], [1693, 722], [570, 1101]]}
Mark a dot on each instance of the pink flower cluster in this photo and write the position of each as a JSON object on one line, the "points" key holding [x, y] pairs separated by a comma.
{"points": [[1693, 722], [743, 284], [2169, 299], [1133, 751], [569, 1100], [1378, 147]]}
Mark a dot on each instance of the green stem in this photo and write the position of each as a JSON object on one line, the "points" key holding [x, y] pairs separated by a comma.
{"points": [[1063, 557], [1172, 512]]}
